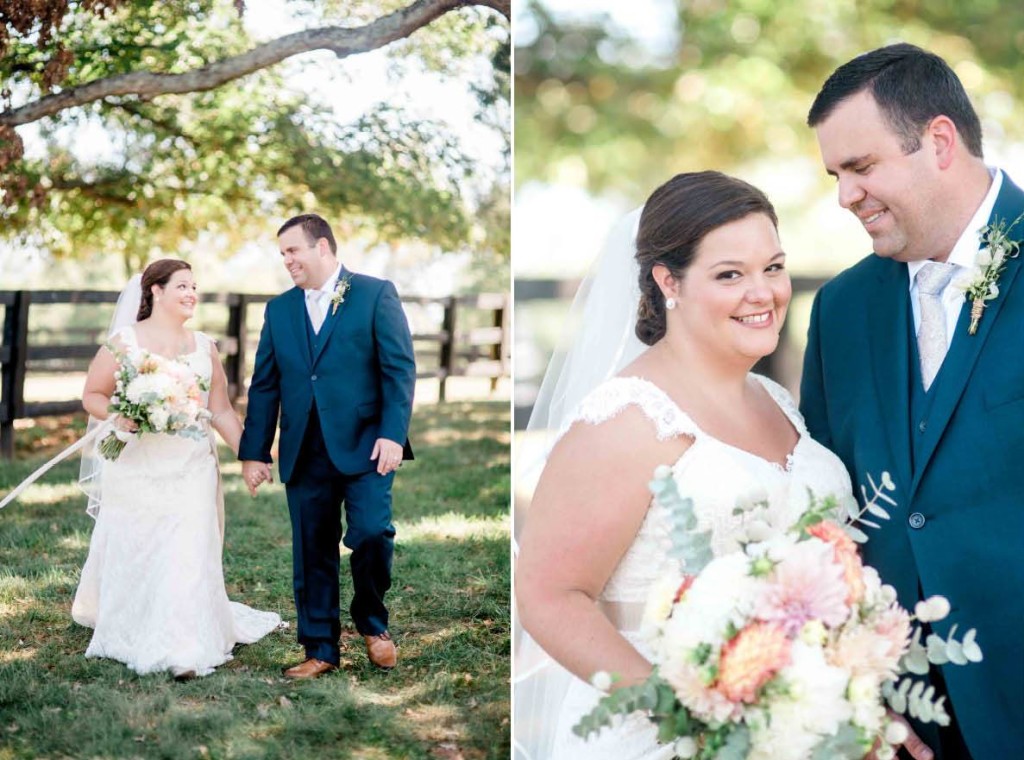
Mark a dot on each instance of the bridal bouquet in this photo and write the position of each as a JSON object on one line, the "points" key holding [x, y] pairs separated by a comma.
{"points": [[160, 395], [785, 650]]}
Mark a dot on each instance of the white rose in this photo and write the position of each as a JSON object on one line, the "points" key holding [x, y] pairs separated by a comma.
{"points": [[685, 747], [159, 418]]}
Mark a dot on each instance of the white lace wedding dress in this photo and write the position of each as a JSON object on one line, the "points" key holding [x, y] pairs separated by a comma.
{"points": [[549, 700], [153, 585]]}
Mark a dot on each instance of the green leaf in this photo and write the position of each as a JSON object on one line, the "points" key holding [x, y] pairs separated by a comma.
{"points": [[971, 649]]}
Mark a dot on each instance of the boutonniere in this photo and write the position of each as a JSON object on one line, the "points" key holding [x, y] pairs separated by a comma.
{"points": [[996, 249], [340, 289]]}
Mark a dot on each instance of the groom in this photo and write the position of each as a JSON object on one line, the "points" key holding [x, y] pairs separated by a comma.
{"points": [[335, 357], [895, 380]]}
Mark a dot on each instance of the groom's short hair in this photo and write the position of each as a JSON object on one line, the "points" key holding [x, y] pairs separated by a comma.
{"points": [[911, 87], [314, 226]]}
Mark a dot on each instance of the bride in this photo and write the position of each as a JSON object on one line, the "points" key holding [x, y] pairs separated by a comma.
{"points": [[712, 297], [153, 586]]}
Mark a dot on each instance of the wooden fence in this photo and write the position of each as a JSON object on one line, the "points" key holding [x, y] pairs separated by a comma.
{"points": [[471, 339]]}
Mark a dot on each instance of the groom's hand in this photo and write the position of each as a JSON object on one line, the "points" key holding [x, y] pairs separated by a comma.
{"points": [[254, 473], [388, 455]]}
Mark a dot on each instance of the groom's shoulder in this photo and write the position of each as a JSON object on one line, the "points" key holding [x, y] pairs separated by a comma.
{"points": [[278, 300], [369, 282]]}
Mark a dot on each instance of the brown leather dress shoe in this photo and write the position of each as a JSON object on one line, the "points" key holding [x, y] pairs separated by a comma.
{"points": [[381, 650], [311, 668]]}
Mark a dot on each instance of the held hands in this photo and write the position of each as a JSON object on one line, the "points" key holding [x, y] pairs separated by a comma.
{"points": [[388, 455], [254, 474]]}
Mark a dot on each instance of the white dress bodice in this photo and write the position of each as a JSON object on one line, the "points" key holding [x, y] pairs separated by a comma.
{"points": [[152, 587], [716, 476]]}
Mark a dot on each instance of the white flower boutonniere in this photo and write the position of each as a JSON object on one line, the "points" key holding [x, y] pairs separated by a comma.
{"points": [[996, 250], [340, 289]]}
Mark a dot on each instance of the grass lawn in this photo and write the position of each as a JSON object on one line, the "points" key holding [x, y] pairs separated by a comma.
{"points": [[448, 698]]}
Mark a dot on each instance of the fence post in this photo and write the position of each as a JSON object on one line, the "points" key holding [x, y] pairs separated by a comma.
{"points": [[447, 352], [500, 350], [237, 329], [13, 374]]}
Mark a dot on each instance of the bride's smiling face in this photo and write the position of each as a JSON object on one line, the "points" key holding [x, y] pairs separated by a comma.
{"points": [[734, 295], [179, 296]]}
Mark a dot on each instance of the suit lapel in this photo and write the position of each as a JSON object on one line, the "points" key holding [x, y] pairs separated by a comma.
{"points": [[297, 316], [964, 350], [888, 315], [331, 319]]}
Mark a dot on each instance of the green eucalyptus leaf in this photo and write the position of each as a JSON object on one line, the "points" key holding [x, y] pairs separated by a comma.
{"points": [[970, 647], [955, 652], [937, 650]]}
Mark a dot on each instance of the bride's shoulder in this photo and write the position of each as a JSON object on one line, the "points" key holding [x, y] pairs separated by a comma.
{"points": [[619, 395], [122, 338]]}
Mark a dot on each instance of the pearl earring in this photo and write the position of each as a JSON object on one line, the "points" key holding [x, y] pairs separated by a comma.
{"points": [[670, 303]]}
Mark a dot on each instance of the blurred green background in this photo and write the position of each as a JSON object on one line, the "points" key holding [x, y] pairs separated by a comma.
{"points": [[613, 98]]}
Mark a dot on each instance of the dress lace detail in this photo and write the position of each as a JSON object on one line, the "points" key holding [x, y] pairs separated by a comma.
{"points": [[715, 475], [153, 585], [611, 397]]}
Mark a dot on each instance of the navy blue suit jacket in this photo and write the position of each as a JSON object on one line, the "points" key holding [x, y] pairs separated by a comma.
{"points": [[361, 381], [967, 482]]}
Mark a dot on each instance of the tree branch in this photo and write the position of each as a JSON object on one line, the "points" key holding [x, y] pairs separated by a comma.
{"points": [[342, 41]]}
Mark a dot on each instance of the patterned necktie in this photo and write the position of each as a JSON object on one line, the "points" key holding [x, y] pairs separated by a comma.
{"points": [[932, 278], [316, 314]]}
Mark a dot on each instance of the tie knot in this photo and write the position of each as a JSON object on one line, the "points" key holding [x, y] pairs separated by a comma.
{"points": [[313, 294], [933, 277]]}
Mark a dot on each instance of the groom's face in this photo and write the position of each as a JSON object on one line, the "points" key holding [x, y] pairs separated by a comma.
{"points": [[894, 194], [308, 263]]}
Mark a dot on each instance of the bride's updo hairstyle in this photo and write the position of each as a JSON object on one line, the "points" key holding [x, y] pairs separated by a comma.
{"points": [[676, 217], [157, 273]]}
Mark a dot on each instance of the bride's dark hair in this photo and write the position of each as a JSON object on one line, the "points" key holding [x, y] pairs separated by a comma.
{"points": [[157, 273], [676, 217]]}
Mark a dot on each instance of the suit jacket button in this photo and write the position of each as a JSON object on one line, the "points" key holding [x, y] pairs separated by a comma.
{"points": [[922, 425], [313, 378], [916, 520]]}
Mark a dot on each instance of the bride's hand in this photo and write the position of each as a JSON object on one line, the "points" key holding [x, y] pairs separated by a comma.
{"points": [[913, 743], [125, 424]]}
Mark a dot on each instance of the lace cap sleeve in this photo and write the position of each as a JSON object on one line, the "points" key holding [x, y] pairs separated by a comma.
{"points": [[203, 342], [785, 401], [123, 338], [614, 395]]}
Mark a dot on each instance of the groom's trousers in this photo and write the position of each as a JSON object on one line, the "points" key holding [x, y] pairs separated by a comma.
{"points": [[316, 493]]}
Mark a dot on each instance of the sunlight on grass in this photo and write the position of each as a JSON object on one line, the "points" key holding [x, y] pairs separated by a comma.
{"points": [[389, 699], [441, 436], [454, 526], [76, 541], [46, 493], [13, 587], [26, 653], [370, 753], [441, 635], [435, 722]]}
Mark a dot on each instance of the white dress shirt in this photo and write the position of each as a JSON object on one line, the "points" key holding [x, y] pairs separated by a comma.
{"points": [[962, 257], [322, 296]]}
